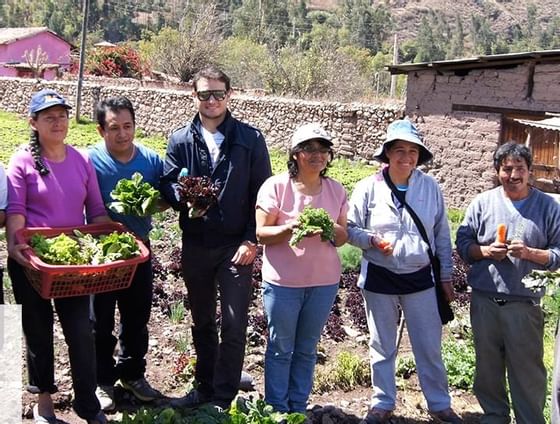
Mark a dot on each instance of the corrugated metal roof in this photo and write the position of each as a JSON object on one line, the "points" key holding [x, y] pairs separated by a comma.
{"points": [[549, 123], [490, 61], [9, 35]]}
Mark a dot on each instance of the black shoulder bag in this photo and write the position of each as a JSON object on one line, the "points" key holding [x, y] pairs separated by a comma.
{"points": [[444, 308]]}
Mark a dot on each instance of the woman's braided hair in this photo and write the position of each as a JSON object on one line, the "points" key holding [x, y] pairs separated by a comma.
{"points": [[35, 150]]}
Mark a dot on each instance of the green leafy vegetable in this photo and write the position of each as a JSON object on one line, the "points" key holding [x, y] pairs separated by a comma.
{"points": [[84, 249], [538, 280], [134, 197], [311, 220], [59, 250]]}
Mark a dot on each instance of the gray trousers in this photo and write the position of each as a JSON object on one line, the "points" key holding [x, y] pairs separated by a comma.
{"points": [[508, 339], [424, 331]]}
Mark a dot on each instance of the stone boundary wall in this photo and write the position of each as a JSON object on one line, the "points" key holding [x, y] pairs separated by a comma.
{"points": [[358, 129]]}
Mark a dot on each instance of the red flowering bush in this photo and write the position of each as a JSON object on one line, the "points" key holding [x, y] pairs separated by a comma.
{"points": [[118, 61]]}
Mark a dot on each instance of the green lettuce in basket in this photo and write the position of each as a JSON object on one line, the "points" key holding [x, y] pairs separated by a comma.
{"points": [[84, 249]]}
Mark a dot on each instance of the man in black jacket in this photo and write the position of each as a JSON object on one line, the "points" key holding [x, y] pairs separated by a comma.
{"points": [[219, 244]]}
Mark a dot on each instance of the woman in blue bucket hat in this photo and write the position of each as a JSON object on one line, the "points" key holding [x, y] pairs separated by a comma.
{"points": [[51, 184], [396, 269]]}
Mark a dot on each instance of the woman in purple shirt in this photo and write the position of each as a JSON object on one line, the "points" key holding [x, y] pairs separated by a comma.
{"points": [[51, 184]]}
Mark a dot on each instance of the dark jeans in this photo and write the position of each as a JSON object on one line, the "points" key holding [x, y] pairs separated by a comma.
{"points": [[38, 319], [134, 305], [208, 271]]}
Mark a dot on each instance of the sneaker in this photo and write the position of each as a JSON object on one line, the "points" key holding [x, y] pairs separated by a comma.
{"points": [[141, 389], [377, 416], [42, 419], [100, 418], [447, 416], [106, 397], [191, 400]]}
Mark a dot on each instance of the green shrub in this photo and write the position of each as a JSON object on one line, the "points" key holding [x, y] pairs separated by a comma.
{"points": [[346, 373], [459, 359], [405, 366], [350, 257]]}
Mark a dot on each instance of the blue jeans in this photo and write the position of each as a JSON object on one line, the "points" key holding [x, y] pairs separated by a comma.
{"points": [[296, 317]]}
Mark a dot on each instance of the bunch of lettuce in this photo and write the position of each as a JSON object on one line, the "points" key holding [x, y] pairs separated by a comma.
{"points": [[197, 193], [84, 249], [134, 197], [309, 221]]}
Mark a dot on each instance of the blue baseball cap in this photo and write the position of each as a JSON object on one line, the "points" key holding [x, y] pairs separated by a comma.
{"points": [[45, 99], [404, 130]]}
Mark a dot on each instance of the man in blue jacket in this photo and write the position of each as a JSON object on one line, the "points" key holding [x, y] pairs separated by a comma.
{"points": [[219, 244]]}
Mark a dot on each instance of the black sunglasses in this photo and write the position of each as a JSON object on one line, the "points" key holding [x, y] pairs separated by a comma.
{"points": [[205, 95]]}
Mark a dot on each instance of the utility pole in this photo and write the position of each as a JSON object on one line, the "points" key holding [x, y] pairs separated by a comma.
{"points": [[82, 60], [395, 62]]}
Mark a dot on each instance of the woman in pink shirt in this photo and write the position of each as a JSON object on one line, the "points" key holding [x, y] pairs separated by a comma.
{"points": [[299, 283], [51, 184]]}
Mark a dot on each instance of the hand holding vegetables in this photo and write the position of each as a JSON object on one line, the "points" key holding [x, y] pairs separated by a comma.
{"points": [[134, 197], [313, 221], [197, 193], [378, 241]]}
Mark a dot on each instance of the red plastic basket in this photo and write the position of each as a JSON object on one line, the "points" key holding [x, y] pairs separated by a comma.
{"points": [[53, 281]]}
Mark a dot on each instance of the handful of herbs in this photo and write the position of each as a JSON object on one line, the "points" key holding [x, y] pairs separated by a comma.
{"points": [[310, 221], [134, 197]]}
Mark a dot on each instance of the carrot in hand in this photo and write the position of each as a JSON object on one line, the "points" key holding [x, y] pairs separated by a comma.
{"points": [[501, 232], [382, 244]]}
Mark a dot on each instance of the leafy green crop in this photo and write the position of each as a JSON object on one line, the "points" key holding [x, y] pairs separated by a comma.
{"points": [[84, 249], [241, 412], [59, 250], [311, 220], [134, 197]]}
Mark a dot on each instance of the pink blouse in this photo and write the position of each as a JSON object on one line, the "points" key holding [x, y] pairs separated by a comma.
{"points": [[312, 262]]}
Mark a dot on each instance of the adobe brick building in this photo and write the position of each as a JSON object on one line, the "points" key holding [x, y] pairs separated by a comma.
{"points": [[467, 107]]}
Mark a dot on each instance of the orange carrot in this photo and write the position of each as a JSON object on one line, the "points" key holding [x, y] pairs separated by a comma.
{"points": [[382, 244], [501, 232]]}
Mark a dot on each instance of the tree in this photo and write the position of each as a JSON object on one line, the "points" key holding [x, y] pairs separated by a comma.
{"points": [[36, 59], [482, 35], [263, 21], [366, 26], [457, 44], [429, 48], [182, 52], [244, 61]]}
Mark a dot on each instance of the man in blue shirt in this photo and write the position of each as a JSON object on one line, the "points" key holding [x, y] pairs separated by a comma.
{"points": [[115, 158]]}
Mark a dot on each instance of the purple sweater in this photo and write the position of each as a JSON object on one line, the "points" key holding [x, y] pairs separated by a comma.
{"points": [[57, 199]]}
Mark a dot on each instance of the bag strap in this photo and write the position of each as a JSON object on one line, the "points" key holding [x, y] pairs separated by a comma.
{"points": [[401, 197]]}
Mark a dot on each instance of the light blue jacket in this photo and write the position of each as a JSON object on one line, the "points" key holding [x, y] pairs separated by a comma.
{"points": [[373, 210]]}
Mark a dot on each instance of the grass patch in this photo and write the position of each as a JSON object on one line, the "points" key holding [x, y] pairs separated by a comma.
{"points": [[177, 313], [350, 257], [346, 373]]}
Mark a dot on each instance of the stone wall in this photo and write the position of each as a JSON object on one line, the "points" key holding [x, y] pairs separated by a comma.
{"points": [[357, 128], [463, 142]]}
